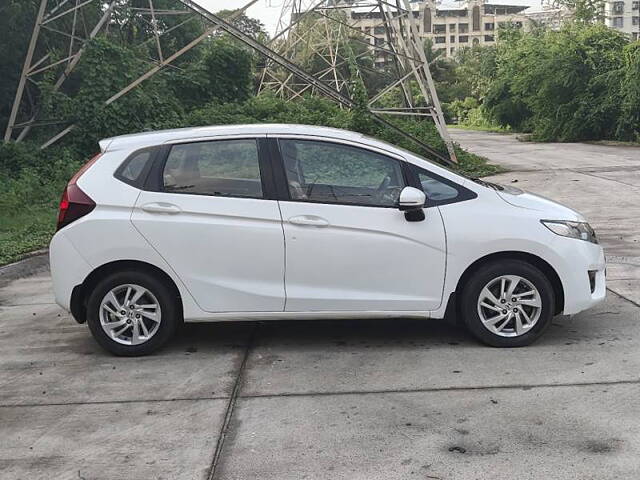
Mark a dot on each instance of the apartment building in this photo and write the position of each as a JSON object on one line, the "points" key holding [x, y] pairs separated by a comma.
{"points": [[623, 15], [450, 26], [549, 16]]}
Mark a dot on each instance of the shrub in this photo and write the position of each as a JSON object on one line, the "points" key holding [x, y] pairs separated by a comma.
{"points": [[578, 83]]}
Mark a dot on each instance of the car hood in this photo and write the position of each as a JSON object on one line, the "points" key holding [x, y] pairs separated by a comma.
{"points": [[549, 209]]}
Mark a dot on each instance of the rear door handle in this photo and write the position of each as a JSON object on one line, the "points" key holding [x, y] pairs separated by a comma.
{"points": [[161, 207], [309, 220]]}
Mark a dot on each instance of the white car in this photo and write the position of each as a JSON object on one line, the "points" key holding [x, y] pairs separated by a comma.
{"points": [[258, 222]]}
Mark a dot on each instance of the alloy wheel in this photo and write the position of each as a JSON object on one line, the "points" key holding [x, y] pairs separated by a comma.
{"points": [[130, 314], [509, 306]]}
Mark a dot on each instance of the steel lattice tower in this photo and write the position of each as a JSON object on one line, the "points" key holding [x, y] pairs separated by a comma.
{"points": [[321, 27]]}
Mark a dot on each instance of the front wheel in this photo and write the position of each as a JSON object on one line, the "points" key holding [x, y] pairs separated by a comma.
{"points": [[508, 303], [131, 313]]}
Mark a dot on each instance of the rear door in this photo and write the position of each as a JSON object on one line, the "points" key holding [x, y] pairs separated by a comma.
{"points": [[215, 220], [348, 247]]}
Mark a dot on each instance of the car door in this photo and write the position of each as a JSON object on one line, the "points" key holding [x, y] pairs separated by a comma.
{"points": [[213, 218], [348, 247]]}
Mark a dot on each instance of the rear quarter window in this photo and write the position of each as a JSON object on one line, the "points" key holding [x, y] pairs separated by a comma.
{"points": [[134, 169]]}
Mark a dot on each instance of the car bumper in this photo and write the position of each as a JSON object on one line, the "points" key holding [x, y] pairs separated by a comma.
{"points": [[68, 269], [582, 275]]}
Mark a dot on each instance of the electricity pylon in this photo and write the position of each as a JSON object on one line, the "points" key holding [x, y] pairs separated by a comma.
{"points": [[324, 28], [283, 71]]}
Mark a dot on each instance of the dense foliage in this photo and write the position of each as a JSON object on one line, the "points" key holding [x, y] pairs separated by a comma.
{"points": [[31, 182], [578, 83], [567, 85]]}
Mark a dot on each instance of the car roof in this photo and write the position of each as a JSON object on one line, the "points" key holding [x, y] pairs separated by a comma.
{"points": [[147, 139]]}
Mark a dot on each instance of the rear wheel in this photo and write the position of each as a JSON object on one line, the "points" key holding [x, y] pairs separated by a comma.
{"points": [[131, 313], [508, 303]]}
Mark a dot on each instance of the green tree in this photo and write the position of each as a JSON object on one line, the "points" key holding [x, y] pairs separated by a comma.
{"points": [[224, 72], [561, 85], [131, 27], [106, 68], [251, 26], [475, 70], [16, 21], [628, 122], [587, 11]]}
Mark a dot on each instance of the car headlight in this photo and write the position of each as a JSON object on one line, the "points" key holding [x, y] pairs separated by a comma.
{"points": [[565, 228]]}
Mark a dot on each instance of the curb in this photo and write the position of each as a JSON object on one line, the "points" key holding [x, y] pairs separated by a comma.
{"points": [[34, 263]]}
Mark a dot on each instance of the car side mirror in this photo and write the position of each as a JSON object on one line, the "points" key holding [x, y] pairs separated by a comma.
{"points": [[411, 199], [411, 202]]}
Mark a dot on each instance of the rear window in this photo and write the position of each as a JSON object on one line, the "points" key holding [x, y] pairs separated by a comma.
{"points": [[134, 169]]}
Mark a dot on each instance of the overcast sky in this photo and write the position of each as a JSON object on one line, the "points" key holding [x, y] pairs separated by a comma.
{"points": [[268, 11]]}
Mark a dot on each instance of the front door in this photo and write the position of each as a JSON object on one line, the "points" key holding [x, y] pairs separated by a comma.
{"points": [[348, 247], [213, 224]]}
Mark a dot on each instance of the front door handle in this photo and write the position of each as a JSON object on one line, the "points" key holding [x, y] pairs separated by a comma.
{"points": [[161, 207], [309, 220]]}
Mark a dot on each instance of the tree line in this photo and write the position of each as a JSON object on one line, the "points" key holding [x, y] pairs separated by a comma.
{"points": [[581, 82]]}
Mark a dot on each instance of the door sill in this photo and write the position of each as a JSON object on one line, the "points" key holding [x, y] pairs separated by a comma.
{"points": [[309, 315]]}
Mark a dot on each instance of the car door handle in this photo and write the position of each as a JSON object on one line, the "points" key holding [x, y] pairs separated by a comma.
{"points": [[161, 207], [309, 220]]}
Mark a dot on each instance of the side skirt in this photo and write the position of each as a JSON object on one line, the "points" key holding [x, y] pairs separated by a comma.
{"points": [[315, 315]]}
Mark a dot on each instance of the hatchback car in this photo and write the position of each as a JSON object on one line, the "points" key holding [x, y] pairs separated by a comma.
{"points": [[260, 222]]}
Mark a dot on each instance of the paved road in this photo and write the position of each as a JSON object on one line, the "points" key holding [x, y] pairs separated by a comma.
{"points": [[345, 400]]}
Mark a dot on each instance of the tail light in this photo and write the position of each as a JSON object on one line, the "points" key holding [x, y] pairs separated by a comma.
{"points": [[75, 203]]}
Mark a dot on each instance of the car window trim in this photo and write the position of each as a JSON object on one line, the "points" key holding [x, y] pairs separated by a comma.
{"points": [[281, 177], [155, 181]]}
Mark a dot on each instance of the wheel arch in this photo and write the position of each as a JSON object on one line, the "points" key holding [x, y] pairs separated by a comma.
{"points": [[81, 292], [530, 258]]}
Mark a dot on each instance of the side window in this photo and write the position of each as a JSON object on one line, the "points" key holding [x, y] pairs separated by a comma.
{"points": [[334, 173], [435, 189], [133, 167], [220, 167]]}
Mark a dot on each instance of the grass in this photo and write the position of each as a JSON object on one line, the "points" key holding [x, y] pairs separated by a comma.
{"points": [[491, 129], [30, 229], [474, 165]]}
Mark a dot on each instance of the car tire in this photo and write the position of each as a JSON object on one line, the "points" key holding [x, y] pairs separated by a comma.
{"points": [[486, 305], [101, 318]]}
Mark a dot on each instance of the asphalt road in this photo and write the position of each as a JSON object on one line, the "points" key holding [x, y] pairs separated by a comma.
{"points": [[346, 400]]}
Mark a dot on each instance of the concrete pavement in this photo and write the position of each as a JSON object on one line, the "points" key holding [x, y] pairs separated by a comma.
{"points": [[394, 399]]}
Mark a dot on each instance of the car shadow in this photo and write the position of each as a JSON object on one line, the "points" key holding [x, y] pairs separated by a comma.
{"points": [[372, 333], [367, 333]]}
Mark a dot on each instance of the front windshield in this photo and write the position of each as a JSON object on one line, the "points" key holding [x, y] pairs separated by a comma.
{"points": [[484, 183]]}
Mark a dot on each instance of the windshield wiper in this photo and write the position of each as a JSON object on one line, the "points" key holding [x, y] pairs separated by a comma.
{"points": [[484, 183]]}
